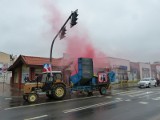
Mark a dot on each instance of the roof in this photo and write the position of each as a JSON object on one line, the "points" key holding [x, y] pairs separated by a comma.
{"points": [[30, 60], [38, 61]]}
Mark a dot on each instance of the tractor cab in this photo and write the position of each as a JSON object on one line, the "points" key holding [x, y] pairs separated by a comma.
{"points": [[51, 77]]}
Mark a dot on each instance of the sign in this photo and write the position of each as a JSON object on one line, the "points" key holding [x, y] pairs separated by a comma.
{"points": [[3, 68], [123, 67], [102, 77]]}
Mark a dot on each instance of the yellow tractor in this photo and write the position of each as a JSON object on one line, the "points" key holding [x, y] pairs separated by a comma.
{"points": [[51, 84]]}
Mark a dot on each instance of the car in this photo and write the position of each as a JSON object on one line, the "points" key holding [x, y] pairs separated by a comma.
{"points": [[147, 82]]}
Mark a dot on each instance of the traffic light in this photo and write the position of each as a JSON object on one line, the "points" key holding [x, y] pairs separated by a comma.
{"points": [[74, 18], [63, 32]]}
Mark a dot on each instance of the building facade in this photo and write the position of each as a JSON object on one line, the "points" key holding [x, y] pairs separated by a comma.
{"points": [[134, 71], [145, 70], [5, 61], [30, 67], [121, 68]]}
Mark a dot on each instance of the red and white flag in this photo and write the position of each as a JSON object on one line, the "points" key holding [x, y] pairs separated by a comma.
{"points": [[47, 68]]}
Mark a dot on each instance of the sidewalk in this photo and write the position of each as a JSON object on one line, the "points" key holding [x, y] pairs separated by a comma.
{"points": [[7, 90]]}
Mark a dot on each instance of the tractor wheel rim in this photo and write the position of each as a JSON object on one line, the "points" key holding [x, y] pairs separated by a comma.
{"points": [[59, 92], [32, 98]]}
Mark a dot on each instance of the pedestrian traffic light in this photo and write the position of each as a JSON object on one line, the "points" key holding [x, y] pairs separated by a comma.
{"points": [[74, 18], [62, 33]]}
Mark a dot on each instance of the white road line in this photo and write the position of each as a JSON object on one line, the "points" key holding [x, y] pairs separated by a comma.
{"points": [[46, 103], [127, 100], [108, 96], [141, 94], [157, 98], [135, 92], [149, 95], [128, 92], [8, 98], [36, 117], [119, 98], [143, 103], [90, 106]]}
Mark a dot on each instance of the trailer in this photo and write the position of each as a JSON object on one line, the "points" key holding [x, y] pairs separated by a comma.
{"points": [[86, 81]]}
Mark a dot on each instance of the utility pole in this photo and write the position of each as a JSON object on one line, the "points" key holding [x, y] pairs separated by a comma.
{"points": [[62, 31]]}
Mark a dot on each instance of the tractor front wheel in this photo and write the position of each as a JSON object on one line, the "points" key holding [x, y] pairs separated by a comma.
{"points": [[33, 97]]}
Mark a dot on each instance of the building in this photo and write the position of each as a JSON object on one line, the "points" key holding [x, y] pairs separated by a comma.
{"points": [[121, 68], [134, 71], [156, 70], [145, 70], [30, 66], [5, 61]]}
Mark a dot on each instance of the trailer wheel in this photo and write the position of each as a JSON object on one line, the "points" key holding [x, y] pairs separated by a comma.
{"points": [[25, 97], [103, 90], [33, 97], [59, 91]]}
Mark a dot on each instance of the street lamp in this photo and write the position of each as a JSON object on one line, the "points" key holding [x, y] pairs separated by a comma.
{"points": [[62, 31]]}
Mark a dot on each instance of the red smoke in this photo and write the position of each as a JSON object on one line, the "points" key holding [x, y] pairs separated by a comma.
{"points": [[54, 16], [78, 45]]}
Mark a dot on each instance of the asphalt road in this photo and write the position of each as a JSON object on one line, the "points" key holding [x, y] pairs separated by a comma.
{"points": [[129, 104]]}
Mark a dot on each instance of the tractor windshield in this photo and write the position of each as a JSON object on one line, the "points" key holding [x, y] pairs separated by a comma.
{"points": [[47, 77]]}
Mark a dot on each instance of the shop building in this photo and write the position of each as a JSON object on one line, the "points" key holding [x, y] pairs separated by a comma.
{"points": [[145, 70], [134, 71], [30, 66], [5, 61], [121, 68]]}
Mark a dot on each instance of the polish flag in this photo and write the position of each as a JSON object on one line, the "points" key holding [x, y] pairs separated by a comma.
{"points": [[47, 68]]}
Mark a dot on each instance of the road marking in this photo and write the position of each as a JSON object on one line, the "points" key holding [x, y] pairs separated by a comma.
{"points": [[128, 92], [158, 98], [143, 103], [141, 94], [127, 100], [36, 117], [49, 103], [149, 95], [90, 106], [119, 98], [8, 98], [108, 96], [134, 92]]}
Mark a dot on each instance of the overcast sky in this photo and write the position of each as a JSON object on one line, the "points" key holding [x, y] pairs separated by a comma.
{"points": [[128, 29]]}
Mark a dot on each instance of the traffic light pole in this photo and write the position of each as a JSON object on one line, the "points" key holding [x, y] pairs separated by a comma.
{"points": [[56, 37]]}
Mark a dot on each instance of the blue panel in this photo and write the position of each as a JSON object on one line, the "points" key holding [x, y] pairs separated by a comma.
{"points": [[112, 76], [75, 79], [94, 81]]}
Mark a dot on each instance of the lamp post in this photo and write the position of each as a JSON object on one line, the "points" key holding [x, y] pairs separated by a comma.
{"points": [[61, 32]]}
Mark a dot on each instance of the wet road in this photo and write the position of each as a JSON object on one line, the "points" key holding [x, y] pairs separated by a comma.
{"points": [[132, 104]]}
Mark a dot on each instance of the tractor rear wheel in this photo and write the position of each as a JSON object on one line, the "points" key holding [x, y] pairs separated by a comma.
{"points": [[32, 97], [59, 91]]}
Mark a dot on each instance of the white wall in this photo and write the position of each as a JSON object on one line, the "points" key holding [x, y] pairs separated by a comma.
{"points": [[144, 66], [117, 62]]}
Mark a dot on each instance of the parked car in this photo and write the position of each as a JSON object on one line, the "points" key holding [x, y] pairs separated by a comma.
{"points": [[147, 82]]}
